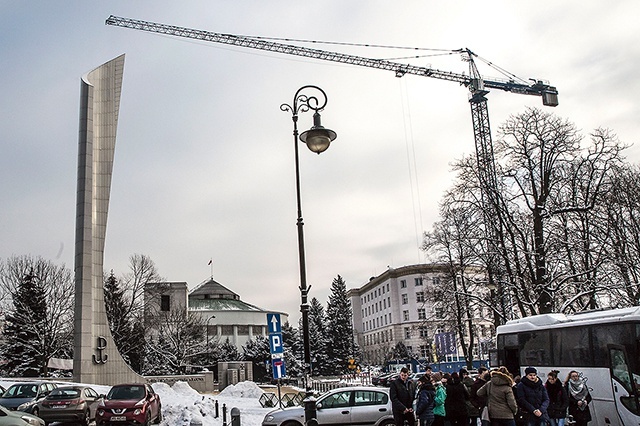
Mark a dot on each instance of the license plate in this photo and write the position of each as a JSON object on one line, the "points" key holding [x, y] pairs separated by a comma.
{"points": [[58, 406], [118, 418]]}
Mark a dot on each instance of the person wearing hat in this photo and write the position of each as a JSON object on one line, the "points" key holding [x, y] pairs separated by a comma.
{"points": [[426, 400], [532, 398]]}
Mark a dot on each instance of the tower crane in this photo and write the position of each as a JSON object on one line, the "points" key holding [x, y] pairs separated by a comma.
{"points": [[478, 87]]}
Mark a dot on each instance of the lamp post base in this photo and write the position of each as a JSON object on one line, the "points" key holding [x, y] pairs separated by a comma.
{"points": [[310, 409]]}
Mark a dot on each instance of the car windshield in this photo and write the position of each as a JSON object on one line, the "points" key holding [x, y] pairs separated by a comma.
{"points": [[64, 393], [21, 391], [126, 392]]}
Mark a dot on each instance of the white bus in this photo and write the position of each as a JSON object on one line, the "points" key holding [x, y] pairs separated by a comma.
{"points": [[603, 345]]}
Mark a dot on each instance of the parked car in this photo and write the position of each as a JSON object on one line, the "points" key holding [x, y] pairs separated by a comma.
{"points": [[24, 396], [12, 418], [76, 404], [381, 379], [351, 405], [386, 381], [130, 404]]}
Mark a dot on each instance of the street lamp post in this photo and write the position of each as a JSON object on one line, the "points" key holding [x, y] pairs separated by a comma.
{"points": [[317, 139], [209, 349]]}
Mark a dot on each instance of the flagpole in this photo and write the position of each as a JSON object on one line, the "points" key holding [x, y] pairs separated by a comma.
{"points": [[211, 264]]}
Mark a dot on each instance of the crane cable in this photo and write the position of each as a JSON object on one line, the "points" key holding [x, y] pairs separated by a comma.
{"points": [[416, 202]]}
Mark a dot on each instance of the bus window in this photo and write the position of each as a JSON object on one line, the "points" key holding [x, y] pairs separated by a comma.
{"points": [[536, 348], [575, 350]]}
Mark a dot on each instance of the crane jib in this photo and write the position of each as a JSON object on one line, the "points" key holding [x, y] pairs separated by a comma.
{"points": [[549, 93]]}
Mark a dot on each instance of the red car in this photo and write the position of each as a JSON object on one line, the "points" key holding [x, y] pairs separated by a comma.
{"points": [[130, 404]]}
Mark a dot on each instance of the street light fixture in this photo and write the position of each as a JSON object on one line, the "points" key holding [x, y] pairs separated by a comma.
{"points": [[318, 140]]}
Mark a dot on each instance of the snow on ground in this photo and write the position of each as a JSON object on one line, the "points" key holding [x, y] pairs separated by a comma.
{"points": [[183, 406]]}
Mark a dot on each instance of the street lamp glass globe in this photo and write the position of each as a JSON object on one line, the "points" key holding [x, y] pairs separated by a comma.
{"points": [[317, 140]]}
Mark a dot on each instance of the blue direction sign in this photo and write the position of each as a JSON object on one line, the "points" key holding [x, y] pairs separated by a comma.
{"points": [[273, 322], [275, 344], [279, 369]]}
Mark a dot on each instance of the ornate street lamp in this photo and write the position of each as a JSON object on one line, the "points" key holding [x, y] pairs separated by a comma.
{"points": [[318, 140]]}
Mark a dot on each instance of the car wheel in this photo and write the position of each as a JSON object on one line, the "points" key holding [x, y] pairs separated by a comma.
{"points": [[35, 411], [291, 424], [87, 418], [388, 423], [147, 420]]}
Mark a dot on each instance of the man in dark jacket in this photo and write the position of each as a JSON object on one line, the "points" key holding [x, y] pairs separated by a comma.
{"points": [[532, 397], [401, 392]]}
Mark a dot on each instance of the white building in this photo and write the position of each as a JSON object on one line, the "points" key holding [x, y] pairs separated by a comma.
{"points": [[397, 306], [225, 315]]}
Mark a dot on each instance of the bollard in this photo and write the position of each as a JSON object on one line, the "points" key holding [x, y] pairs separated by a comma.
{"points": [[224, 415], [217, 412], [235, 416]]}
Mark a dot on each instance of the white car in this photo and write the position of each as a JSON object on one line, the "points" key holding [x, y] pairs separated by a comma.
{"points": [[358, 405]]}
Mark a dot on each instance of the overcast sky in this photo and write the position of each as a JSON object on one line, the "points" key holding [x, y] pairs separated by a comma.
{"points": [[204, 165]]}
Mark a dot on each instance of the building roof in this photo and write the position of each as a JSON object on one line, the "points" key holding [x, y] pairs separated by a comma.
{"points": [[211, 295], [212, 289]]}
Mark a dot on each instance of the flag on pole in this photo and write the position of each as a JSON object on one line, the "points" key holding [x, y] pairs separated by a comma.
{"points": [[210, 262]]}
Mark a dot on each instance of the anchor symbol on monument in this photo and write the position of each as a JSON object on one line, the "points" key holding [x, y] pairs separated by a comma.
{"points": [[102, 357]]}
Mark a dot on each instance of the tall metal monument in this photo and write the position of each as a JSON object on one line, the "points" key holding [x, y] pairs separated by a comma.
{"points": [[96, 358]]}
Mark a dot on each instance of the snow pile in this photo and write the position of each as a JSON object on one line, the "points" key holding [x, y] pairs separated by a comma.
{"points": [[184, 406], [242, 390]]}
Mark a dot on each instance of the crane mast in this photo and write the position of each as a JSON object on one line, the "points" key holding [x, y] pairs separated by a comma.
{"points": [[477, 85]]}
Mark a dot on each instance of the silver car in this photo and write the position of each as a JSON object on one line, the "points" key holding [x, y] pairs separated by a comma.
{"points": [[357, 405]]}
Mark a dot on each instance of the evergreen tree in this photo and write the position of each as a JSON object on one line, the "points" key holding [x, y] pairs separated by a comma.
{"points": [[257, 351], [38, 313], [293, 350], [127, 331], [317, 335], [23, 330], [341, 346]]}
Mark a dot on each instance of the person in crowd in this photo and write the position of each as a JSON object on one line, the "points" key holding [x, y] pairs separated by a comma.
{"points": [[472, 412], [479, 402], [439, 412], [401, 393], [426, 401], [456, 401], [558, 401], [500, 398], [520, 417], [532, 397], [579, 398]]}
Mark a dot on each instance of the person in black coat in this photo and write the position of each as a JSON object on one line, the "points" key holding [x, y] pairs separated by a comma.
{"points": [[456, 403], [532, 397], [426, 400], [401, 392], [579, 398], [558, 401]]}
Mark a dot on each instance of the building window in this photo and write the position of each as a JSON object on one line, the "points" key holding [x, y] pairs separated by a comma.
{"points": [[435, 280], [418, 281], [403, 283], [424, 351], [405, 315], [439, 312], [405, 299], [407, 333], [421, 314], [420, 297], [165, 303], [423, 332]]}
